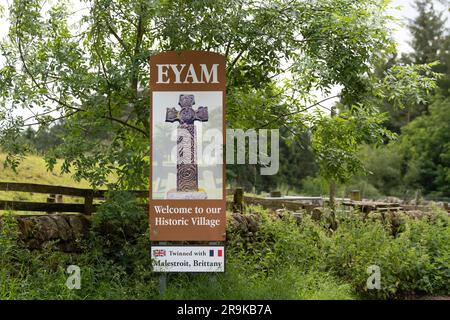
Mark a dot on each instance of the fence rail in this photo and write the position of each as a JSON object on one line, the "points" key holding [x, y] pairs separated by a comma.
{"points": [[52, 204], [88, 207]]}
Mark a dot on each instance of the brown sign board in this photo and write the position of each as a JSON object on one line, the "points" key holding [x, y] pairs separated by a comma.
{"points": [[187, 135]]}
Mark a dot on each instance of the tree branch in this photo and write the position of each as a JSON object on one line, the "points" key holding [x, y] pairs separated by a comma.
{"points": [[113, 32], [33, 79], [135, 60], [50, 121], [63, 103], [126, 124], [235, 61], [299, 111], [227, 50], [41, 114]]}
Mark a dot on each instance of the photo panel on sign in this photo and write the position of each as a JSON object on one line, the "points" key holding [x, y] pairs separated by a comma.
{"points": [[209, 144]]}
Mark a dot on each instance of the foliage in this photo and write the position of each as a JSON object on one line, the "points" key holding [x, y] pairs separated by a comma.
{"points": [[284, 259], [8, 236], [336, 141], [44, 139], [409, 263], [405, 85], [383, 171], [419, 160], [427, 31], [315, 186], [119, 225], [426, 149], [105, 273], [296, 162], [96, 77], [430, 40]]}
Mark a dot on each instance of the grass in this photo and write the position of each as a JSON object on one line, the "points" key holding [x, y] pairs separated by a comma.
{"points": [[236, 283], [282, 260], [33, 170]]}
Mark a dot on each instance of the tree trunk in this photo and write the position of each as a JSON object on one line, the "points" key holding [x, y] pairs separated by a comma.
{"points": [[332, 202], [332, 205]]}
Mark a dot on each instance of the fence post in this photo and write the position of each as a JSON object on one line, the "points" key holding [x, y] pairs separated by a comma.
{"points": [[355, 195], [275, 194], [238, 198], [51, 199], [89, 203]]}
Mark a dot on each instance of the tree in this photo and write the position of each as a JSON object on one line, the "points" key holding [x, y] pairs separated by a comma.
{"points": [[296, 163], [428, 32], [337, 139], [430, 41], [430, 45], [426, 150], [45, 139], [96, 76]]}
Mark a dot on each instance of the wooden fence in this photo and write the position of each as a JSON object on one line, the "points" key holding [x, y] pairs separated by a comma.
{"points": [[52, 204]]}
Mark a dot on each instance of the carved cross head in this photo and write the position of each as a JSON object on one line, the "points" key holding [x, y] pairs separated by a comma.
{"points": [[186, 100], [187, 115]]}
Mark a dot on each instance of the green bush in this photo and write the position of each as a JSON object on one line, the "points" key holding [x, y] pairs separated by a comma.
{"points": [[431, 236], [115, 262], [283, 259], [414, 261], [120, 229], [315, 186], [247, 283]]}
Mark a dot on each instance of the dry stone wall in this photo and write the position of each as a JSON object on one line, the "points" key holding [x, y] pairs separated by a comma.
{"points": [[63, 230]]}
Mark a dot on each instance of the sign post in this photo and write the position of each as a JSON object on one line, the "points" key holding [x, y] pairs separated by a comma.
{"points": [[187, 171]]}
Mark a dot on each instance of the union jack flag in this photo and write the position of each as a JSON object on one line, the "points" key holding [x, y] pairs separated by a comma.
{"points": [[159, 253]]}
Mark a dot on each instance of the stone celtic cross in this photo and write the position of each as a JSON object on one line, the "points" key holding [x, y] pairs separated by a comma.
{"points": [[187, 170]]}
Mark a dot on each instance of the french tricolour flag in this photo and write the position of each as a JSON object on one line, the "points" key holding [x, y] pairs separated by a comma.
{"points": [[215, 253]]}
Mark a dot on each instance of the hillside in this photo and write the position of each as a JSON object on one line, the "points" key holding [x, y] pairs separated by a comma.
{"points": [[33, 170]]}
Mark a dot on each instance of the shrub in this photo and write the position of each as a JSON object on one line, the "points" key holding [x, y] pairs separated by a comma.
{"points": [[120, 229], [242, 280], [414, 261], [283, 259]]}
